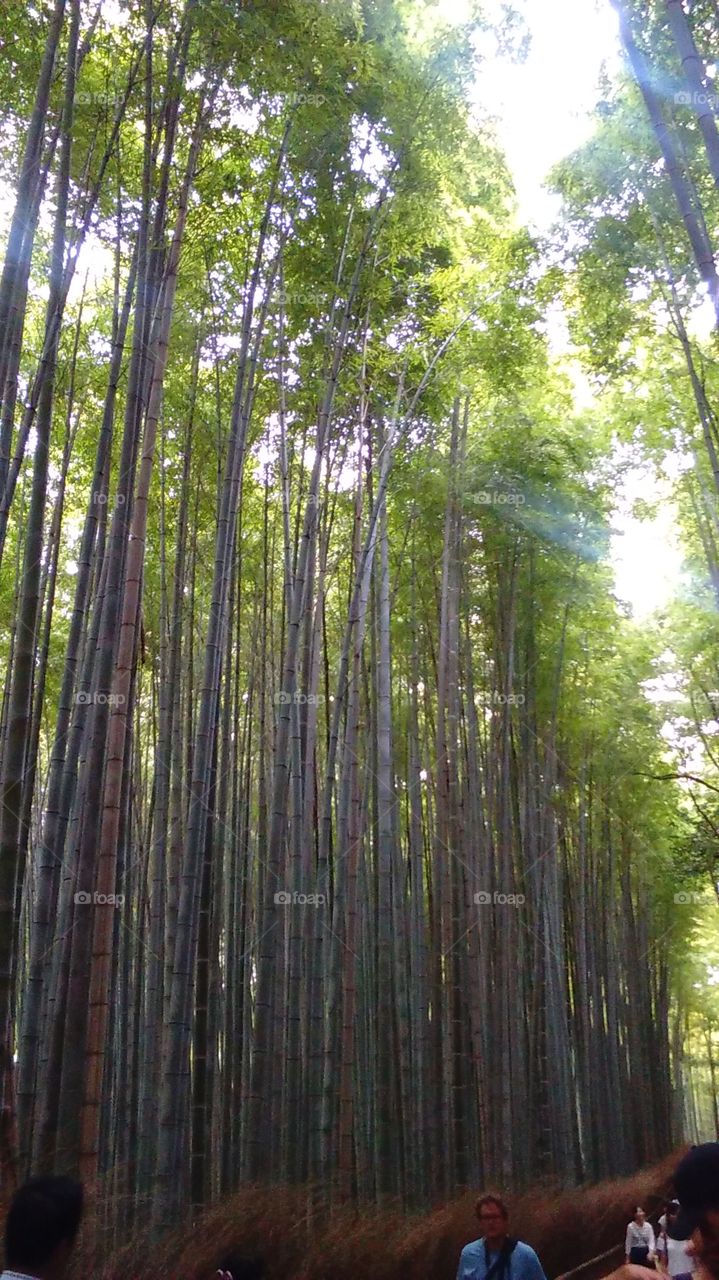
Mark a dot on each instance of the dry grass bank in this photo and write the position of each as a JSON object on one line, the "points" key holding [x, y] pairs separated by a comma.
{"points": [[565, 1227]]}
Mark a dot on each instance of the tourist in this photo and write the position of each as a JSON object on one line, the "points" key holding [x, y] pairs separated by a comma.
{"points": [[675, 1255], [494, 1256], [41, 1228], [639, 1244]]}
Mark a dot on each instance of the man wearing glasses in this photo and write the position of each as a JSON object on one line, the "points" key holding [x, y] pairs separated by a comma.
{"points": [[495, 1256]]}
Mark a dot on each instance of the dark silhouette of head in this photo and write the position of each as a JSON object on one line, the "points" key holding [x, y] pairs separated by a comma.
{"points": [[237, 1267], [696, 1184], [41, 1226]]}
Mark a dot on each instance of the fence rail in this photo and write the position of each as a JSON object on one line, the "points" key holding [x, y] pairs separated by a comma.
{"points": [[596, 1267]]}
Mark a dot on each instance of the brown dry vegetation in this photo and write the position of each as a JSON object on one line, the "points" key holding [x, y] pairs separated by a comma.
{"points": [[565, 1227]]}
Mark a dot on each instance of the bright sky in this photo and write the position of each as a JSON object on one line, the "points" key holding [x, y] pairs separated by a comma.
{"points": [[543, 105], [543, 112]]}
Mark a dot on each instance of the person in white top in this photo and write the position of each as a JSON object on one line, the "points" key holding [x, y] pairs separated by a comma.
{"points": [[639, 1244], [41, 1228], [675, 1256]]}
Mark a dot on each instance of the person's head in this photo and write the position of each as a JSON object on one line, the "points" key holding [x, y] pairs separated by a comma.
{"points": [[41, 1226], [639, 1216], [493, 1219], [671, 1210], [236, 1267], [696, 1183]]}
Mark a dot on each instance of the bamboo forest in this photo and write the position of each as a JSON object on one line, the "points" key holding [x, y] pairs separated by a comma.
{"points": [[359, 592]]}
